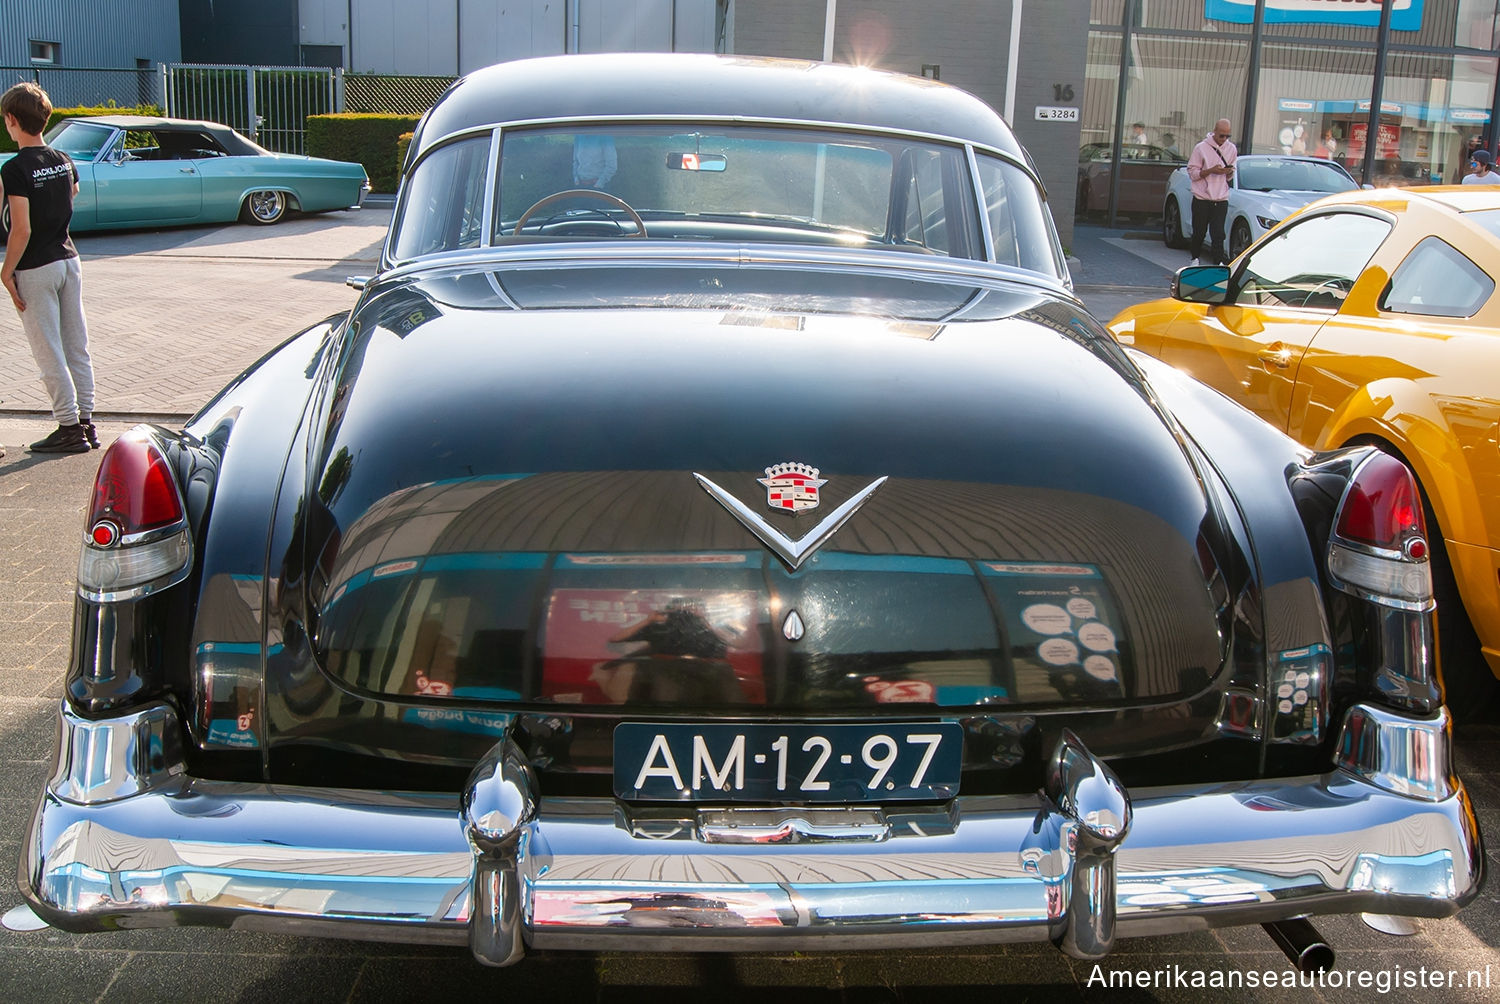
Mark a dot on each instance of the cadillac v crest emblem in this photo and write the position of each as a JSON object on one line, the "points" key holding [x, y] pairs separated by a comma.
{"points": [[792, 487]]}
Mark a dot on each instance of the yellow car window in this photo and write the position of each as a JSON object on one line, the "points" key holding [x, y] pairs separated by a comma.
{"points": [[1437, 280], [1312, 264]]}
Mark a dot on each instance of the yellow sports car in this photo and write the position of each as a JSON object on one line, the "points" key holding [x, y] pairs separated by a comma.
{"points": [[1370, 317]]}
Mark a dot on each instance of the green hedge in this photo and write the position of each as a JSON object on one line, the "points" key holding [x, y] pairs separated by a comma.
{"points": [[369, 139], [403, 143], [7, 145]]}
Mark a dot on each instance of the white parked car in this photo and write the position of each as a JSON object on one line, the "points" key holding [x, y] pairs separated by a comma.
{"points": [[1263, 191]]}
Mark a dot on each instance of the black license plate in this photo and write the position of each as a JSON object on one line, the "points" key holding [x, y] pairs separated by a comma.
{"points": [[788, 763]]}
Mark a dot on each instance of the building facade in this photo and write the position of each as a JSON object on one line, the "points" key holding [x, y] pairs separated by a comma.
{"points": [[1298, 77], [1025, 57], [87, 51], [1108, 95]]}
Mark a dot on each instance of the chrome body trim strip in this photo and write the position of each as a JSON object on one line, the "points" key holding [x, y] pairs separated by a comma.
{"points": [[1398, 753], [572, 872], [114, 758]]}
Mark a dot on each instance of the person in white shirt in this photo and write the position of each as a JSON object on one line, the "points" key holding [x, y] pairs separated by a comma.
{"points": [[594, 161], [1482, 169]]}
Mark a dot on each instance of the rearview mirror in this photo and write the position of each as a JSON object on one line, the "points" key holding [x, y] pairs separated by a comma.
{"points": [[1201, 284], [697, 162]]}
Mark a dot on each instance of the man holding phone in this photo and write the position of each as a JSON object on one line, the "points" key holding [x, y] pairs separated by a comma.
{"points": [[1210, 166]]}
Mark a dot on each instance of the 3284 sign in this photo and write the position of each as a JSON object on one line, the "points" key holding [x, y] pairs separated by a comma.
{"points": [[1057, 113]]}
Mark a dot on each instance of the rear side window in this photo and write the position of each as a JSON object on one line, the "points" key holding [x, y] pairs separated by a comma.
{"points": [[1437, 280], [1018, 223], [444, 201]]}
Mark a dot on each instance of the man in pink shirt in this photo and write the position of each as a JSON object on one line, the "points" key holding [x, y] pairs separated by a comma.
{"points": [[1209, 168]]}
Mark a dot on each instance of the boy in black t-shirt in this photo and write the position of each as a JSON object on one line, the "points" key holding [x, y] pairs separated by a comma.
{"points": [[41, 270]]}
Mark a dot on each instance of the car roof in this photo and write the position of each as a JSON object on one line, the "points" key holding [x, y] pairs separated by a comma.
{"points": [[148, 122], [1453, 198], [233, 141], [703, 86]]}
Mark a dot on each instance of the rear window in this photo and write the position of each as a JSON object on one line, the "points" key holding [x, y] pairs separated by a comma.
{"points": [[1293, 176], [1437, 280], [738, 184]]}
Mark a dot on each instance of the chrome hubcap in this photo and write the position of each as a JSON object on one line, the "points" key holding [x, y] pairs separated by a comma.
{"points": [[265, 205]]}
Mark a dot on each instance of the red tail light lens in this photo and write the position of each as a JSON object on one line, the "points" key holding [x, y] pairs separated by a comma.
{"points": [[1379, 547], [133, 492], [1383, 509]]}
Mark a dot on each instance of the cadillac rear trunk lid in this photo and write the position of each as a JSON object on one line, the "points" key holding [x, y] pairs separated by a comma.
{"points": [[523, 503]]}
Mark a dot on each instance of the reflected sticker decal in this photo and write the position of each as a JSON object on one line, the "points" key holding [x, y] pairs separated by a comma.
{"points": [[900, 691], [1298, 682], [1100, 668], [1046, 618], [1063, 627]]}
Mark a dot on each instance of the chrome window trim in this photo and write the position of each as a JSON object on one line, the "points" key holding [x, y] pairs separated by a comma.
{"points": [[1300, 219], [387, 255], [734, 120], [983, 201], [496, 131], [112, 150], [711, 253], [491, 190]]}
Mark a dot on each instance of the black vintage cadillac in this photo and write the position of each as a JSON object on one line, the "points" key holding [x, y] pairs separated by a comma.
{"points": [[719, 526]]}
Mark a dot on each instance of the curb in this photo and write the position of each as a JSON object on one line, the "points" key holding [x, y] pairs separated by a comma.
{"points": [[128, 417]]}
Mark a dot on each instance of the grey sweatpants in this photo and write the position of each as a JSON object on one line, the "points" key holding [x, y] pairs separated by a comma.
{"points": [[54, 325]]}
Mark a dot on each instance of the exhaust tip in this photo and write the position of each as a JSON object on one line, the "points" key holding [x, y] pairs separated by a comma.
{"points": [[21, 919], [1400, 927], [1302, 943]]}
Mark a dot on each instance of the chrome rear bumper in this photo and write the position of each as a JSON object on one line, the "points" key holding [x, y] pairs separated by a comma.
{"points": [[122, 838]]}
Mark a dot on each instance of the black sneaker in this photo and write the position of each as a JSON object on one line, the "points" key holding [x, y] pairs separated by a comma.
{"points": [[64, 439], [89, 433]]}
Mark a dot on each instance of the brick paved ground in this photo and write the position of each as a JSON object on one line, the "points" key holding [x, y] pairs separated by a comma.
{"points": [[175, 315]]}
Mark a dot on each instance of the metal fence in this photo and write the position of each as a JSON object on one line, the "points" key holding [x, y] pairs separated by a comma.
{"points": [[270, 104], [391, 94], [71, 87]]}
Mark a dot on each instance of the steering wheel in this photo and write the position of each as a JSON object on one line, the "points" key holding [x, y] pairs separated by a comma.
{"points": [[1335, 289], [615, 202]]}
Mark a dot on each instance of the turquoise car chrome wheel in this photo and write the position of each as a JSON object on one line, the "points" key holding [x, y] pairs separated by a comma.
{"points": [[264, 207]]}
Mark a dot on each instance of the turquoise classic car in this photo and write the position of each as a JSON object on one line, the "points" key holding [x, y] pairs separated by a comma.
{"points": [[135, 171]]}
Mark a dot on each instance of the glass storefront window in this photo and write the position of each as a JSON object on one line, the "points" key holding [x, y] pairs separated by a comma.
{"points": [[1436, 105], [1176, 88], [1443, 23], [1101, 86], [1175, 15], [1314, 100], [1314, 75], [1107, 13]]}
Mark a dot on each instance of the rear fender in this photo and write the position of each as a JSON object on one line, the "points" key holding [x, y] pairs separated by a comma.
{"points": [[1400, 413], [253, 425]]}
